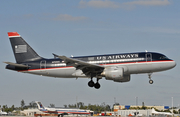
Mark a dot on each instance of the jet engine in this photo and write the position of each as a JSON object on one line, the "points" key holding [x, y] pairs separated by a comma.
{"points": [[116, 74]]}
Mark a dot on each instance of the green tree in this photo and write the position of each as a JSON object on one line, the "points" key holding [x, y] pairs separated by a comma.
{"points": [[12, 107], [32, 105], [65, 106], [175, 112], [143, 106], [72, 105], [4, 107], [108, 108], [80, 104], [52, 105], [22, 104]]}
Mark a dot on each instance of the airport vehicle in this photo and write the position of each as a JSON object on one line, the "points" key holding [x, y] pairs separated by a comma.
{"points": [[116, 67], [61, 111], [154, 112]]}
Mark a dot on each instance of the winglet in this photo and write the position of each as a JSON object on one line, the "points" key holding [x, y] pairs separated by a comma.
{"points": [[55, 55], [13, 34]]}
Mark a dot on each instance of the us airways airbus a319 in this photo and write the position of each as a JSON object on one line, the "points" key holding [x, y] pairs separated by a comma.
{"points": [[115, 67]]}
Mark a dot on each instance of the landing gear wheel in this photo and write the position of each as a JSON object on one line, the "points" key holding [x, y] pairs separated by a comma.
{"points": [[151, 81], [91, 83], [97, 85]]}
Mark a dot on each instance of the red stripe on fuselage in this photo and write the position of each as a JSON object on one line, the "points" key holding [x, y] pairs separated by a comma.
{"points": [[75, 112], [66, 112], [99, 64]]}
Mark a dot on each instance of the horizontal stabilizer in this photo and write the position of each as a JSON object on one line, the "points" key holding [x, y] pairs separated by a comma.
{"points": [[17, 65]]}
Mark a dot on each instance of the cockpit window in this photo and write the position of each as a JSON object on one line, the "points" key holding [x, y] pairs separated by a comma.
{"points": [[163, 57]]}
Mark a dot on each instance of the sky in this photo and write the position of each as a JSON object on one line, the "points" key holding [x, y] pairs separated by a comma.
{"points": [[91, 27]]}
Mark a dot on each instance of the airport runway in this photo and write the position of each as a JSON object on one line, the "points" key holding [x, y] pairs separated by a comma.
{"points": [[55, 116]]}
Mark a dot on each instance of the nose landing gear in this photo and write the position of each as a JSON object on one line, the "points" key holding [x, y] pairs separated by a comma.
{"points": [[150, 81]]}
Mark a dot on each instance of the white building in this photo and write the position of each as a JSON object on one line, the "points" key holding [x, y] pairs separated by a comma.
{"points": [[123, 113], [122, 107]]}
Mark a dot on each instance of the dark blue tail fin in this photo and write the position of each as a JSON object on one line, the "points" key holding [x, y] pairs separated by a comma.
{"points": [[22, 51]]}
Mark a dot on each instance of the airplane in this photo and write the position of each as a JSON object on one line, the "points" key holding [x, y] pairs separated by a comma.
{"points": [[115, 67], [61, 111], [3, 113], [160, 113]]}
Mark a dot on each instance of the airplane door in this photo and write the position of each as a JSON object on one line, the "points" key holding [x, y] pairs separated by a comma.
{"points": [[43, 64], [43, 68], [148, 57]]}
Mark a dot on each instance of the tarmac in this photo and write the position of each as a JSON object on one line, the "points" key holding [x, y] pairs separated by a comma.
{"points": [[55, 116]]}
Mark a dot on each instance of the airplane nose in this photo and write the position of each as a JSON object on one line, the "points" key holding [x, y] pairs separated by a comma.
{"points": [[169, 65], [173, 64]]}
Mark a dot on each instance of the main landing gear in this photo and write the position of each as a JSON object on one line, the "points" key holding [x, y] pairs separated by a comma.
{"points": [[150, 81], [95, 85]]}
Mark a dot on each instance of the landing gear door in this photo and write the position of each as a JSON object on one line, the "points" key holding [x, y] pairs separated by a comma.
{"points": [[148, 57]]}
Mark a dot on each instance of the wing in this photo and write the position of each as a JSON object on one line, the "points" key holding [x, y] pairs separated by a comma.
{"points": [[90, 70]]}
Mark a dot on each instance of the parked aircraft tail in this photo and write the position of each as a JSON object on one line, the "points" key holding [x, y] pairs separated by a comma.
{"points": [[22, 51], [153, 110], [40, 106], [160, 113]]}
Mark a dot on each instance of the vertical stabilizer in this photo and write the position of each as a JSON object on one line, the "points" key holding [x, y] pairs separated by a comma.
{"points": [[40, 106], [153, 110], [22, 51]]}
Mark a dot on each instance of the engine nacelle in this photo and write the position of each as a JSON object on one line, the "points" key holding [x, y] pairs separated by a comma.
{"points": [[116, 74], [126, 78]]}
